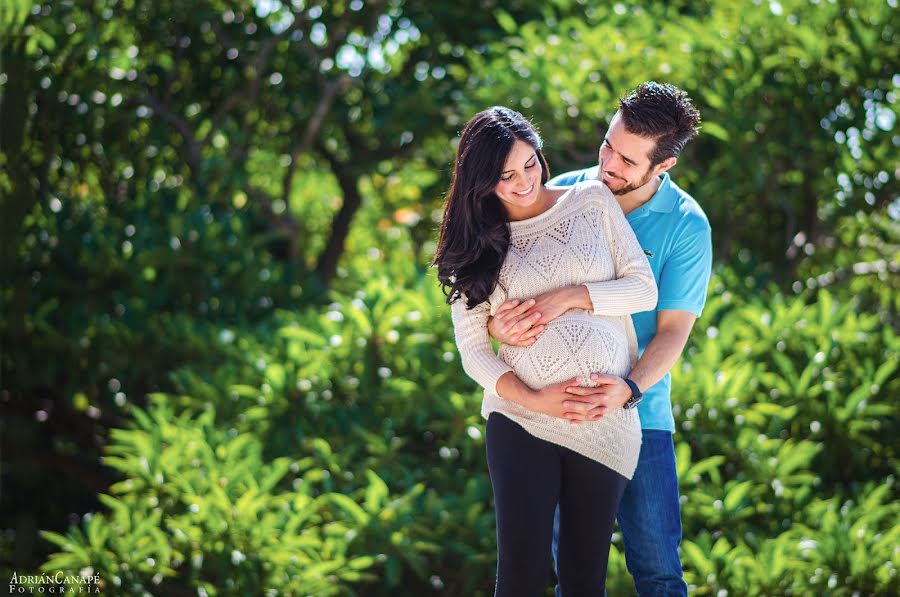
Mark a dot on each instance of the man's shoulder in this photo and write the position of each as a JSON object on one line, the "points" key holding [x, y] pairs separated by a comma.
{"points": [[688, 210]]}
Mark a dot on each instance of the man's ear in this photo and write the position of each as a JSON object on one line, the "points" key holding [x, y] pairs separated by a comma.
{"points": [[665, 165]]}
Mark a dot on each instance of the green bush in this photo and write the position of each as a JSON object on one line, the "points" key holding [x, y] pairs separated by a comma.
{"points": [[199, 507], [349, 434]]}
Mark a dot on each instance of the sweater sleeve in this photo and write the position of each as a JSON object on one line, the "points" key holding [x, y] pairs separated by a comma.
{"points": [[479, 360], [634, 289]]}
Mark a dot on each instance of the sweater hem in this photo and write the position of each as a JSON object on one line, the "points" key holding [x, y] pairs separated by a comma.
{"points": [[622, 463]]}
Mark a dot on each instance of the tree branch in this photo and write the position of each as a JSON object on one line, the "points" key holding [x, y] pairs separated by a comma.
{"points": [[181, 125], [340, 226], [330, 92], [285, 223], [258, 65]]}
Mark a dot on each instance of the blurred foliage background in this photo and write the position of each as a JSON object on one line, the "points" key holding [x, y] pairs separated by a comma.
{"points": [[228, 370]]}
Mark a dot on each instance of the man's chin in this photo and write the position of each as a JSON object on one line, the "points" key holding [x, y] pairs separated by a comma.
{"points": [[611, 182], [616, 189]]}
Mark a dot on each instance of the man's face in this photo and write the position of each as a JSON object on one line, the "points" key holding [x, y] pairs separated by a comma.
{"points": [[624, 159]]}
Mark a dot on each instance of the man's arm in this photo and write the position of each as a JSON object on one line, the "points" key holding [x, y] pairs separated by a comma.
{"points": [[661, 354], [672, 331], [683, 282]]}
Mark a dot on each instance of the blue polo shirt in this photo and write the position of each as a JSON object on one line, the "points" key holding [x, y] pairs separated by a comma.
{"points": [[675, 236]]}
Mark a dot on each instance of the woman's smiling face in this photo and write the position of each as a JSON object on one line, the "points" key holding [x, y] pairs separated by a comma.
{"points": [[520, 180]]}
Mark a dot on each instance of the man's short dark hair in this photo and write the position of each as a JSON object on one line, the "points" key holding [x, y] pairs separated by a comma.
{"points": [[662, 112]]}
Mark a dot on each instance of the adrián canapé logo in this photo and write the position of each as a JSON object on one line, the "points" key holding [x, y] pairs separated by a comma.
{"points": [[54, 584]]}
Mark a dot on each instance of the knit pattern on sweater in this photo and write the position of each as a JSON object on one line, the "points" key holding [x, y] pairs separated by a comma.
{"points": [[583, 238]]}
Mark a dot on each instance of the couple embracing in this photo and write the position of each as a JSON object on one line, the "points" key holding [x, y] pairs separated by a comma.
{"points": [[591, 282]]}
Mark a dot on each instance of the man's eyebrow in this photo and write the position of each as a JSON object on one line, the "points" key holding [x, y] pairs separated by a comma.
{"points": [[533, 156], [624, 157]]}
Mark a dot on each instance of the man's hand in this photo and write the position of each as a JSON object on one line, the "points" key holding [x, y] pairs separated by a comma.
{"points": [[591, 404], [554, 400]]}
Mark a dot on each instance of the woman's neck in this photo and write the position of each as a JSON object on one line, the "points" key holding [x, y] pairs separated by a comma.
{"points": [[546, 199]]}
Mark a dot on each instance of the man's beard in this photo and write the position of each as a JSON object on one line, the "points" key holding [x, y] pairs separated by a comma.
{"points": [[629, 187]]}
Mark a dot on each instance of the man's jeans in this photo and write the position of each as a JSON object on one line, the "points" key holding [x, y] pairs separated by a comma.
{"points": [[650, 520]]}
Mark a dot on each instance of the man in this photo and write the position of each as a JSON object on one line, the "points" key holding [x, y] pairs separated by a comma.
{"points": [[645, 137]]}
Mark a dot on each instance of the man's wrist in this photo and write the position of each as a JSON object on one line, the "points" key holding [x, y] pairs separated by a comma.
{"points": [[636, 394], [638, 379]]}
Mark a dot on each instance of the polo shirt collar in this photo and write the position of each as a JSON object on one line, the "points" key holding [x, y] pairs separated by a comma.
{"points": [[663, 201]]}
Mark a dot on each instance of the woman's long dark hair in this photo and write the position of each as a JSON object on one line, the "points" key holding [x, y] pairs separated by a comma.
{"points": [[475, 233]]}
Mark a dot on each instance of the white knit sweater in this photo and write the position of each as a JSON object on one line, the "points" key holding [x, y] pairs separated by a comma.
{"points": [[583, 238]]}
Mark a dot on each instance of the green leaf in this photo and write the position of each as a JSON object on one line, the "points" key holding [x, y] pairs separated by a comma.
{"points": [[56, 538], [376, 493], [505, 20], [348, 506], [794, 456], [361, 562], [682, 458], [13, 16], [736, 495], [279, 468], [715, 130], [695, 557]]}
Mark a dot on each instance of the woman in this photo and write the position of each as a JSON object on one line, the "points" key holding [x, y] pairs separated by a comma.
{"points": [[506, 235]]}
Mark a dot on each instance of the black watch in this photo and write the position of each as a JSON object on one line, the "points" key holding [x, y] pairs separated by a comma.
{"points": [[636, 395]]}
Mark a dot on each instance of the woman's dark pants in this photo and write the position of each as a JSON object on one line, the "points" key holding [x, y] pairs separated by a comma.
{"points": [[530, 476]]}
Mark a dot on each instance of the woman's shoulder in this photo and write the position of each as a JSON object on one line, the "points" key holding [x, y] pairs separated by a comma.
{"points": [[593, 189], [594, 193]]}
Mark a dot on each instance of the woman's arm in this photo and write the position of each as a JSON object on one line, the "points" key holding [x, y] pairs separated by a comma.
{"points": [[481, 364], [479, 360], [634, 289]]}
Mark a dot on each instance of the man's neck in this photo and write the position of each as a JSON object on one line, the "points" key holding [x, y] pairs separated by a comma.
{"points": [[634, 199]]}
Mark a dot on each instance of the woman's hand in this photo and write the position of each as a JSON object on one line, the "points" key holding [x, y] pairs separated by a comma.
{"points": [[519, 323], [554, 303], [514, 323]]}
